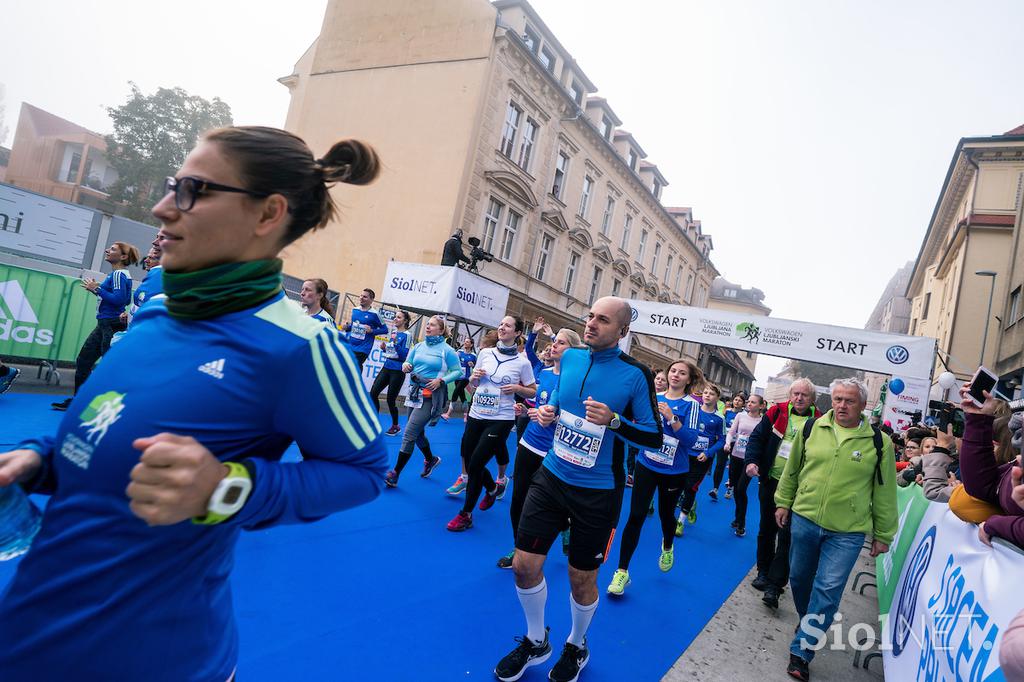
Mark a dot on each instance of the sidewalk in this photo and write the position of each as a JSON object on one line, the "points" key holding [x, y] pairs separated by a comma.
{"points": [[747, 641], [29, 382]]}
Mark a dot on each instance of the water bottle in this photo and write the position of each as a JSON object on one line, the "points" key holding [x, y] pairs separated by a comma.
{"points": [[19, 522]]}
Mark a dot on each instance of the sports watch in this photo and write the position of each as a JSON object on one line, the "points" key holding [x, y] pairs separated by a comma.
{"points": [[615, 423], [229, 496]]}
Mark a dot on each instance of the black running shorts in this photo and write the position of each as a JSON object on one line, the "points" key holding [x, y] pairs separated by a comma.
{"points": [[552, 505]]}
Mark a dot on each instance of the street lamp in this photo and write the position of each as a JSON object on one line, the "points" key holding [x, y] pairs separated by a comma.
{"points": [[991, 291]]}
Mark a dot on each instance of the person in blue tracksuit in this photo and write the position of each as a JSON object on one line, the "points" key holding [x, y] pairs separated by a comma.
{"points": [[313, 297], [364, 326], [173, 445], [663, 470], [709, 442], [113, 294], [604, 399], [391, 376]]}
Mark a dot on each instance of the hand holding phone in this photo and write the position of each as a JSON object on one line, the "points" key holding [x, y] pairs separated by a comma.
{"points": [[983, 381]]}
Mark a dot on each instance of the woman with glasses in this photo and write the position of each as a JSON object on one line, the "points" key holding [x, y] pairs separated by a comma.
{"points": [[154, 473], [113, 294]]}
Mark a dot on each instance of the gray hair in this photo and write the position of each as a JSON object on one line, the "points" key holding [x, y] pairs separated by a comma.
{"points": [[808, 382], [851, 382]]}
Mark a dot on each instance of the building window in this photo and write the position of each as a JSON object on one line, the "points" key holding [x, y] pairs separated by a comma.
{"points": [[547, 58], [595, 285], [750, 353], [606, 127], [679, 278], [570, 272], [654, 261], [547, 243], [633, 294], [526, 144], [627, 227], [1014, 306], [491, 220], [508, 135], [561, 172], [656, 191], [913, 327], [609, 213], [633, 159], [730, 293], [616, 286], [576, 91], [508, 235], [668, 268], [643, 246], [76, 161], [588, 188], [927, 304], [531, 39], [689, 288]]}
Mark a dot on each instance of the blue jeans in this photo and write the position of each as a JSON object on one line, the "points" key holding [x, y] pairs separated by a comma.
{"points": [[820, 562]]}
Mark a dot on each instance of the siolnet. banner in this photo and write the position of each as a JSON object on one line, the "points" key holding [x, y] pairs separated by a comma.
{"points": [[444, 289]]}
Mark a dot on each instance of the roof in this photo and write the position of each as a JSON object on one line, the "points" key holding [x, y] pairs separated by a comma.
{"points": [[597, 101], [752, 296], [1019, 130], [731, 358], [46, 124], [549, 36]]}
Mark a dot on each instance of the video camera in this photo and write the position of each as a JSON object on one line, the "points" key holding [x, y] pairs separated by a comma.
{"points": [[477, 254], [946, 414]]}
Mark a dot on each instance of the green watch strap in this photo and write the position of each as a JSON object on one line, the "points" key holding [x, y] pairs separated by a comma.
{"points": [[236, 470]]}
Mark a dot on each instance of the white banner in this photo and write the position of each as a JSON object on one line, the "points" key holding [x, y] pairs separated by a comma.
{"points": [[908, 356], [905, 399], [952, 603], [444, 289], [37, 226]]}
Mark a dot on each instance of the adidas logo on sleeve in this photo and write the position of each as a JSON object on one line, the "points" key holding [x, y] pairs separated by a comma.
{"points": [[215, 368]]}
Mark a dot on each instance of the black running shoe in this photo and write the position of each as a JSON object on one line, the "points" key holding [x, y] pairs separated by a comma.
{"points": [[760, 583], [798, 668], [527, 653], [570, 663], [771, 597], [429, 466], [61, 406]]}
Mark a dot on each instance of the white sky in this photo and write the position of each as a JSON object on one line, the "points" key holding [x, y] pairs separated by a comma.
{"points": [[811, 138]]}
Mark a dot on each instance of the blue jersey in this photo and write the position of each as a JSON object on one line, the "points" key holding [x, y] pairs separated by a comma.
{"points": [[326, 318], [396, 349], [115, 292], [366, 324], [467, 360], [592, 456], [710, 434], [729, 416], [151, 288], [101, 595], [428, 360], [536, 437], [671, 457]]}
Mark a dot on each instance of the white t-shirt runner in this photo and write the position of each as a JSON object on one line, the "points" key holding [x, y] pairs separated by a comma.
{"points": [[501, 370]]}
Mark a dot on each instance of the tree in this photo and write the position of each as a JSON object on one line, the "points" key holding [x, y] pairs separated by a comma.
{"points": [[3, 114], [152, 135]]}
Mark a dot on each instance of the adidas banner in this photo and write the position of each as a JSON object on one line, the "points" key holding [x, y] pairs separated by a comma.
{"points": [[43, 316], [907, 356]]}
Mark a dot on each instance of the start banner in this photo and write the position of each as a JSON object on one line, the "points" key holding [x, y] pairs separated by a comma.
{"points": [[945, 598], [908, 356], [444, 289]]}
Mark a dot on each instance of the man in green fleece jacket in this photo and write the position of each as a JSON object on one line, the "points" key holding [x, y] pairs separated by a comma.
{"points": [[837, 494]]}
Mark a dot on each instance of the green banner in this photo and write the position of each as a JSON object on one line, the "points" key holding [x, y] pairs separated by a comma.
{"points": [[43, 316], [912, 505]]}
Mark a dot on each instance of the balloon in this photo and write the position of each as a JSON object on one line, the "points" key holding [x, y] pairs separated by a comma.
{"points": [[896, 386], [947, 380]]}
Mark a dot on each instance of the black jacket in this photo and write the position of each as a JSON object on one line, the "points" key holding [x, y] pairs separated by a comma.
{"points": [[453, 252]]}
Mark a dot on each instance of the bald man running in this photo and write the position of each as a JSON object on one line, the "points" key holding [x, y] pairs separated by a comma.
{"points": [[604, 400]]}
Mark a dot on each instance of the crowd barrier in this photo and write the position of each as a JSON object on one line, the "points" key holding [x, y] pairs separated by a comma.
{"points": [[944, 597], [43, 316]]}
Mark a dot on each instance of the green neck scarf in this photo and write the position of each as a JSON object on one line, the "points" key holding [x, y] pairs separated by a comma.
{"points": [[222, 289]]}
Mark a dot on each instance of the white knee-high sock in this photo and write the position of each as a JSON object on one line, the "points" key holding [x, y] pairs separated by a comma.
{"points": [[533, 600], [581, 617]]}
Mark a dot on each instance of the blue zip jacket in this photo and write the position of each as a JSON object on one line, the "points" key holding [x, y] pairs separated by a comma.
{"points": [[103, 596], [361, 341], [710, 434], [536, 437], [396, 350], [594, 457], [115, 292], [425, 359]]}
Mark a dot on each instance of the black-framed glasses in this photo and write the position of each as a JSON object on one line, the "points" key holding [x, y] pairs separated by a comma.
{"points": [[187, 189]]}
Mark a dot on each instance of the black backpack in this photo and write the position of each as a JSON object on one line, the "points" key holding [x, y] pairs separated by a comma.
{"points": [[876, 436]]}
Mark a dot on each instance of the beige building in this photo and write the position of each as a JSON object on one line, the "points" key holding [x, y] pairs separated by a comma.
{"points": [[891, 314], [485, 122], [724, 295], [973, 228], [61, 159]]}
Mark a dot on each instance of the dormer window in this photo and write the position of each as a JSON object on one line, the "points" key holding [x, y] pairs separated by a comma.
{"points": [[656, 190], [634, 159], [576, 91], [532, 40], [606, 127]]}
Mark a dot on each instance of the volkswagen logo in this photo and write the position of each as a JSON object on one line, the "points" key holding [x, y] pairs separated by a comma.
{"points": [[897, 355], [902, 621], [579, 423], [634, 313]]}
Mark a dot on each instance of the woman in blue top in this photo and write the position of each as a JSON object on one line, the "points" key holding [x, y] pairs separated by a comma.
{"points": [[114, 294], [173, 446], [536, 440], [663, 471], [431, 364], [710, 441], [313, 297], [395, 349]]}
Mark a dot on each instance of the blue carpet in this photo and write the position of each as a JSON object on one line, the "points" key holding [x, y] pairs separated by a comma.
{"points": [[384, 592]]}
